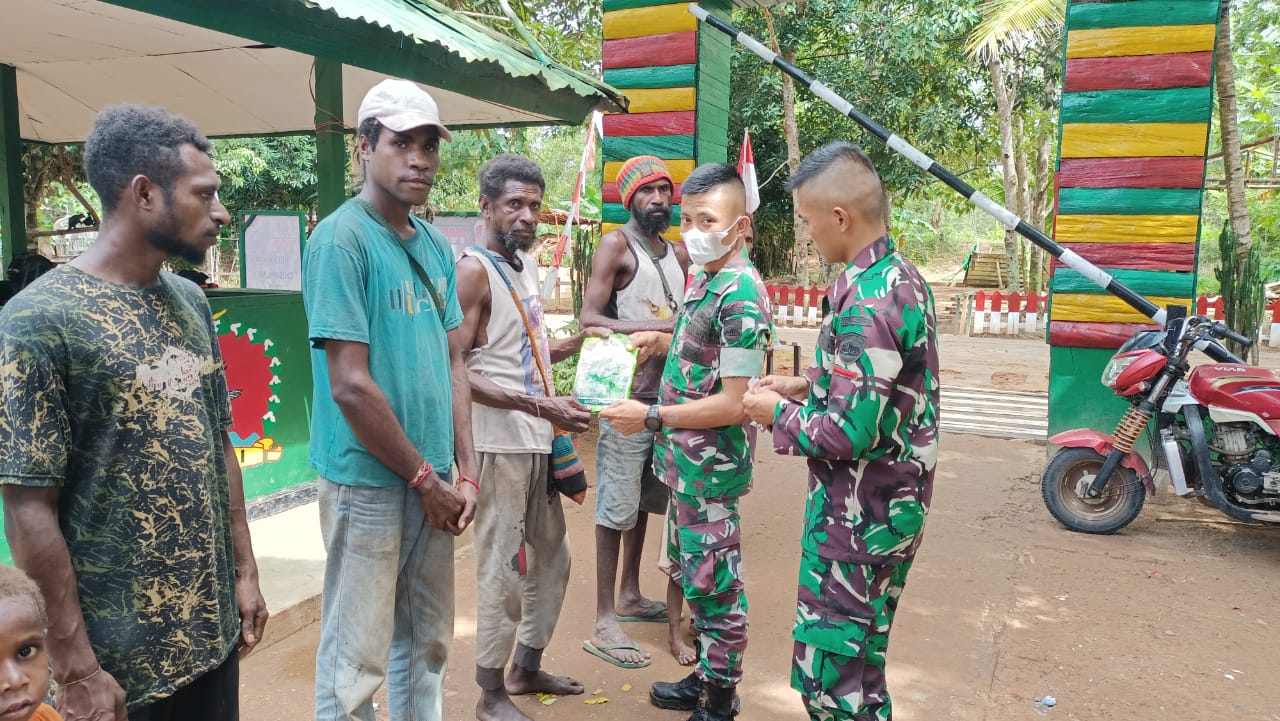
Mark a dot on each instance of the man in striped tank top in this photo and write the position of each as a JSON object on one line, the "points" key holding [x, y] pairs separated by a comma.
{"points": [[636, 284]]}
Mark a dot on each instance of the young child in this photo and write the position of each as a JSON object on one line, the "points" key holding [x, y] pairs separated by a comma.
{"points": [[684, 654], [24, 663]]}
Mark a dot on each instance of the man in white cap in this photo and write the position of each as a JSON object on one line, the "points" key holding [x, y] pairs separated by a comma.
{"points": [[392, 413]]}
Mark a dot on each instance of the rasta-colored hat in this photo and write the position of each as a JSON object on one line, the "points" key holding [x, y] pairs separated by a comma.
{"points": [[638, 171]]}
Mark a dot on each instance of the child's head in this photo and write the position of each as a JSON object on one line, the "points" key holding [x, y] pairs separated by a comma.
{"points": [[24, 663]]}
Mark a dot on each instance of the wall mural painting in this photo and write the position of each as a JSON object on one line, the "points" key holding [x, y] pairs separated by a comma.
{"points": [[251, 380]]}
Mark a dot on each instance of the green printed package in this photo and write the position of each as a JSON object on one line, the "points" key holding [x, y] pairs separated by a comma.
{"points": [[605, 369]]}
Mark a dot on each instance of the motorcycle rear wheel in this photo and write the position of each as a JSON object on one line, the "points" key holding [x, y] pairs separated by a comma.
{"points": [[1067, 476]]}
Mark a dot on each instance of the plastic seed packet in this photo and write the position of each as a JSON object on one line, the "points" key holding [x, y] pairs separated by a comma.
{"points": [[605, 370]]}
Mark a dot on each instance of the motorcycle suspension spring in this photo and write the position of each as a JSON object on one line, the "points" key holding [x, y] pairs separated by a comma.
{"points": [[1130, 427]]}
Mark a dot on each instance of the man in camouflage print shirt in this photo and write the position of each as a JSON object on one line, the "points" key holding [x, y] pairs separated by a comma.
{"points": [[866, 416], [703, 450], [122, 492]]}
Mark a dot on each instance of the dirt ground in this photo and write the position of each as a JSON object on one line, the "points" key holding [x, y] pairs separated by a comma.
{"points": [[1175, 618]]}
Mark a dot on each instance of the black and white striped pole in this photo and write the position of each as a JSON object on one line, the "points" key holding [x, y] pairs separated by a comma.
{"points": [[1010, 219]]}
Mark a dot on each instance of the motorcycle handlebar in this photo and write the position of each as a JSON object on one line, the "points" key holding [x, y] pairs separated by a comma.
{"points": [[1214, 350], [1232, 335]]}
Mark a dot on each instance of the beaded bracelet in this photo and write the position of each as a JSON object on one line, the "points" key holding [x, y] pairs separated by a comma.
{"points": [[420, 477]]}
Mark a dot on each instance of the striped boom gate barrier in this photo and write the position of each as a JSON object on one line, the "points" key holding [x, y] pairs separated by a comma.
{"points": [[1060, 253]]}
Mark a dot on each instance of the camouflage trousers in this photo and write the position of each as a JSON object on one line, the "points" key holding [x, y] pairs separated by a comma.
{"points": [[707, 547], [843, 615]]}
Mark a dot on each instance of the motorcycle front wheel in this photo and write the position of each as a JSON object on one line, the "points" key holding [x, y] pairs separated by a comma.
{"points": [[1068, 477]]}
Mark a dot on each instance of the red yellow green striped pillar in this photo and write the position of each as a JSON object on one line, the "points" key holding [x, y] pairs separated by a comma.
{"points": [[677, 79], [1136, 105]]}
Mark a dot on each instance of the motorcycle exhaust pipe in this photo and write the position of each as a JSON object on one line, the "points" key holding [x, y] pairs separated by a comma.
{"points": [[1173, 460]]}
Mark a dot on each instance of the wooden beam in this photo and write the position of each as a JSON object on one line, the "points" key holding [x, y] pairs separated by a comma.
{"points": [[1121, 140], [1126, 228], [650, 50], [1150, 40], [679, 122], [331, 144], [1139, 172], [1139, 72], [1138, 256], [13, 219]]}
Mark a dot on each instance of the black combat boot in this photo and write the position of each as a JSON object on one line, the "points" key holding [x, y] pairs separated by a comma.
{"points": [[682, 695], [718, 704]]}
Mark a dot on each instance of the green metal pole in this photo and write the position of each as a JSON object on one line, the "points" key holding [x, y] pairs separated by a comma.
{"points": [[13, 220], [331, 144]]}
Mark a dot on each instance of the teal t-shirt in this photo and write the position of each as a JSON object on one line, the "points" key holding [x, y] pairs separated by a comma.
{"points": [[358, 285]]}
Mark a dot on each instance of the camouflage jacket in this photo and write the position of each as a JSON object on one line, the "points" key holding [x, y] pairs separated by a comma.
{"points": [[723, 331], [870, 423]]}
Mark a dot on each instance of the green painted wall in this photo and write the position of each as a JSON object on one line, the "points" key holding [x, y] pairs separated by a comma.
{"points": [[1077, 398], [279, 344], [715, 50]]}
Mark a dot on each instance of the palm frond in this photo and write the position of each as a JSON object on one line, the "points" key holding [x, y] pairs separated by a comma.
{"points": [[1006, 20]]}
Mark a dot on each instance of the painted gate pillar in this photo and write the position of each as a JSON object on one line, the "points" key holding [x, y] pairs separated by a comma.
{"points": [[1136, 104], [677, 78]]}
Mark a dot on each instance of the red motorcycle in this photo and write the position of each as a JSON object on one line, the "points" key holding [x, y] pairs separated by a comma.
{"points": [[1216, 432]]}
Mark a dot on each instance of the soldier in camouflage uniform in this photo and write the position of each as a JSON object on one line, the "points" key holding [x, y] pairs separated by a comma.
{"points": [[703, 450], [866, 416]]}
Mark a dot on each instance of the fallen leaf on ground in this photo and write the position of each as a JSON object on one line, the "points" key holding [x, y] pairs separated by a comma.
{"points": [[626, 687], [546, 699], [596, 700]]}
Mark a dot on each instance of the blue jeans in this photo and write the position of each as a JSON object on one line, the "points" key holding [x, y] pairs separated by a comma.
{"points": [[380, 547]]}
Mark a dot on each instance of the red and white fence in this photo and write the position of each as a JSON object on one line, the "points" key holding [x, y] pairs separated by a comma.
{"points": [[796, 306], [997, 312], [1006, 313]]}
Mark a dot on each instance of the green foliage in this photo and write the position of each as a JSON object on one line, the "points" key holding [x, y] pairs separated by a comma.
{"points": [[569, 30], [1255, 39], [564, 373], [267, 173], [884, 58], [1243, 297]]}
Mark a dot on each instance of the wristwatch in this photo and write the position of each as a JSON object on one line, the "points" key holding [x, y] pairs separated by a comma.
{"points": [[652, 420]]}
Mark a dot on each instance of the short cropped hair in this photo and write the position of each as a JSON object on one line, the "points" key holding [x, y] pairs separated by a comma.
{"points": [[17, 585], [820, 160], [710, 176], [130, 140], [499, 169], [370, 129]]}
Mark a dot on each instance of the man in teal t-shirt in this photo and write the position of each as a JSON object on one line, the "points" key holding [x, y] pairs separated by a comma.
{"points": [[392, 412]]}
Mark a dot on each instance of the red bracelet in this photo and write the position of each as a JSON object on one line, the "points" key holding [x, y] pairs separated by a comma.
{"points": [[464, 479], [420, 477]]}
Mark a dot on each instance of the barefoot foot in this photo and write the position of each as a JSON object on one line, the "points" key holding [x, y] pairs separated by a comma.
{"points": [[497, 706], [521, 681], [683, 652]]}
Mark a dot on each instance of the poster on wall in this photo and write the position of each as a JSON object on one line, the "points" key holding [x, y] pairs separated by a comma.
{"points": [[271, 249], [462, 231]]}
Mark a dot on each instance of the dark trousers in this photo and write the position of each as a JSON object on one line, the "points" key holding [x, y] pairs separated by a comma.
{"points": [[215, 696]]}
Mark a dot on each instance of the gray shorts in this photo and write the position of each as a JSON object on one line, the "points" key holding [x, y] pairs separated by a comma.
{"points": [[625, 481]]}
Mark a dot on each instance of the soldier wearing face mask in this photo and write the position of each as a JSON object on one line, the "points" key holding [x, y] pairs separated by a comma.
{"points": [[703, 448]]}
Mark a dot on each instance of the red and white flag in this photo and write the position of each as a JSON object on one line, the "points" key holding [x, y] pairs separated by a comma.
{"points": [[747, 169], [595, 127]]}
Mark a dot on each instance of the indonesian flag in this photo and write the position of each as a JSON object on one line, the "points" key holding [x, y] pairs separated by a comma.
{"points": [[747, 169], [594, 128]]}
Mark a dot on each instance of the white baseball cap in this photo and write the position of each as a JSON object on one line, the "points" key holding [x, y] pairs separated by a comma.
{"points": [[401, 105]]}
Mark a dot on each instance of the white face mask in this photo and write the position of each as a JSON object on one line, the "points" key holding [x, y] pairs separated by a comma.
{"points": [[707, 247]]}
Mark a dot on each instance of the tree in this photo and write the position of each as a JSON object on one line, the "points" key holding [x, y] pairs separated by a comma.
{"points": [[1229, 130], [884, 58], [1019, 41]]}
